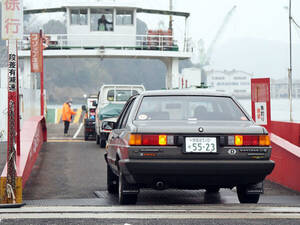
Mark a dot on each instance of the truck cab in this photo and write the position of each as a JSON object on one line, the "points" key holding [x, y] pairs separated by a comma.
{"points": [[111, 99]]}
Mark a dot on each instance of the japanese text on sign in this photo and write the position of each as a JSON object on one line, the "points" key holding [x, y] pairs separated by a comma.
{"points": [[260, 101], [12, 68], [12, 19], [36, 55]]}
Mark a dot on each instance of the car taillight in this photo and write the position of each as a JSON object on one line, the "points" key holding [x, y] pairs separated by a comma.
{"points": [[151, 139], [135, 139], [249, 140], [264, 140]]}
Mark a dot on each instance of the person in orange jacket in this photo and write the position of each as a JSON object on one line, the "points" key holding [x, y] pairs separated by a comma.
{"points": [[67, 113]]}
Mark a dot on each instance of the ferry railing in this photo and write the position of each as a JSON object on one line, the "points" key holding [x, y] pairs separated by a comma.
{"points": [[111, 41]]}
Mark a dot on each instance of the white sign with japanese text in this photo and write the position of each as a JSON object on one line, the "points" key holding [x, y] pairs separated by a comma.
{"points": [[12, 19], [261, 113], [12, 66]]}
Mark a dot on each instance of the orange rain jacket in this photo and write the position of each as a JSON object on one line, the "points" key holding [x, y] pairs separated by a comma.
{"points": [[67, 112]]}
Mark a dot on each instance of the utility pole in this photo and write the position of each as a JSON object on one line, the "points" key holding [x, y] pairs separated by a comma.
{"points": [[171, 18], [290, 83]]}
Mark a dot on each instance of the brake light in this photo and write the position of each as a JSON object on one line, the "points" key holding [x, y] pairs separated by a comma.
{"points": [[249, 140], [151, 139]]}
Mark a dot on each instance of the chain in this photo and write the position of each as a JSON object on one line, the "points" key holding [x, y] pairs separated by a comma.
{"points": [[11, 164]]}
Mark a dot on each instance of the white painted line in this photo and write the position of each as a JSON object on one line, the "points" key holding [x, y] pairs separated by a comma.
{"points": [[224, 209], [78, 130], [150, 216], [288, 146]]}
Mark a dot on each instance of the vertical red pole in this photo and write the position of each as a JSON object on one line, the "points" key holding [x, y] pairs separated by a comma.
{"points": [[42, 74]]}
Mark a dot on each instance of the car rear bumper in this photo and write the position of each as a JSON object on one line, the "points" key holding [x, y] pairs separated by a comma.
{"points": [[224, 173]]}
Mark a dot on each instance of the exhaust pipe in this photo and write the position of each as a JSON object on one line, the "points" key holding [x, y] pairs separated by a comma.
{"points": [[160, 185]]}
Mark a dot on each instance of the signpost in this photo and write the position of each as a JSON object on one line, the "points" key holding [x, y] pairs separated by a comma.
{"points": [[12, 30], [260, 102], [37, 60]]}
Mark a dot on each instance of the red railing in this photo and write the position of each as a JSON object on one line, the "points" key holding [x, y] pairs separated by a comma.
{"points": [[285, 138]]}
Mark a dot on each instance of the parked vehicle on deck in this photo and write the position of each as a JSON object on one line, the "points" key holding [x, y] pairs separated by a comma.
{"points": [[186, 139], [111, 99], [90, 117]]}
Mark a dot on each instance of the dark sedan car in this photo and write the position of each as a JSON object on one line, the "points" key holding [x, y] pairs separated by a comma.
{"points": [[188, 140]]}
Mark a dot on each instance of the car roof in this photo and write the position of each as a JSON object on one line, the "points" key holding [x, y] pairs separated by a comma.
{"points": [[200, 92]]}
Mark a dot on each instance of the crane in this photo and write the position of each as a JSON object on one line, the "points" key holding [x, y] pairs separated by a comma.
{"points": [[204, 57]]}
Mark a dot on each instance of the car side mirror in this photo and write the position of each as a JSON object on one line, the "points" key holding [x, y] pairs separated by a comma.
{"points": [[108, 125], [83, 107], [94, 104]]}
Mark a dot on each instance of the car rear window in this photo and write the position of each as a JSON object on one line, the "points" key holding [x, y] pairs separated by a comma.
{"points": [[189, 108]]}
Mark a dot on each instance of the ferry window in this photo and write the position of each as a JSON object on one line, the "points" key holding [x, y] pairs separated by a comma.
{"points": [[102, 20], [124, 17], [79, 17]]}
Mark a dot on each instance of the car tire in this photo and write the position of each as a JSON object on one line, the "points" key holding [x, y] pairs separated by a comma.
{"points": [[97, 139], [244, 197], [212, 190], [126, 198], [112, 181], [102, 143]]}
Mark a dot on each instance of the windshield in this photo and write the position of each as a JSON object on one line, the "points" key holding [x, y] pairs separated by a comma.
{"points": [[189, 108], [111, 110], [120, 95]]}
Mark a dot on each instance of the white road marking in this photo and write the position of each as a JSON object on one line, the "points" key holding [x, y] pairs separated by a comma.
{"points": [[150, 216], [78, 130], [154, 212]]}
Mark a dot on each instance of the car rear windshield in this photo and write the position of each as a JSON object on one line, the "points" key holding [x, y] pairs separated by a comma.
{"points": [[189, 108], [120, 95]]}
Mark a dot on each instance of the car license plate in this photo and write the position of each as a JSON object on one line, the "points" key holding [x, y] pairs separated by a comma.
{"points": [[200, 145]]}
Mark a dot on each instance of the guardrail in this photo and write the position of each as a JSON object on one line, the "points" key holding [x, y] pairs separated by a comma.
{"points": [[113, 41]]}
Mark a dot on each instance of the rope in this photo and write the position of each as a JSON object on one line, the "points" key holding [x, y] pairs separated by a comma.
{"points": [[10, 193], [297, 25]]}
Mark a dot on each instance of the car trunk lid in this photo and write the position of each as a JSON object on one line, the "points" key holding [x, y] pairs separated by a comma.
{"points": [[194, 127]]}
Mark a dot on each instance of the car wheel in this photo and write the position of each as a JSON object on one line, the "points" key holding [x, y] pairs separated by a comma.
{"points": [[112, 181], [126, 198], [97, 139], [244, 197], [102, 143], [212, 190]]}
